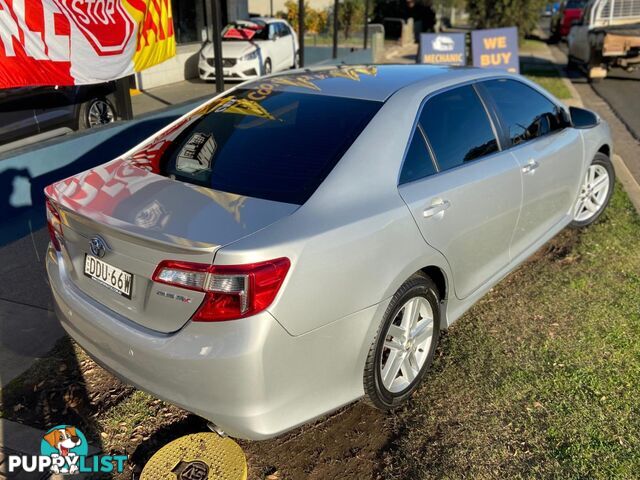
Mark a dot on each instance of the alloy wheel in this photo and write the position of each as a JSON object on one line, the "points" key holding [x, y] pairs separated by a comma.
{"points": [[593, 193], [407, 344], [100, 113]]}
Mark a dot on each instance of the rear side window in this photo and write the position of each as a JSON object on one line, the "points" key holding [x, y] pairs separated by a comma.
{"points": [[284, 30], [275, 145], [528, 114], [418, 162], [457, 127]]}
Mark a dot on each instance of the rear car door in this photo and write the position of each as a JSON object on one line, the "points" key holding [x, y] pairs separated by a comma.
{"points": [[463, 191], [17, 116], [281, 47], [549, 152], [55, 107]]}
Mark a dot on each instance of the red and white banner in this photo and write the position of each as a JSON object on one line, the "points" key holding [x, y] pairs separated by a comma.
{"points": [[74, 42]]}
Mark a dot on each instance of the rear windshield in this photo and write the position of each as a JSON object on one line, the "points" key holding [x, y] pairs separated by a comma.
{"points": [[269, 144]]}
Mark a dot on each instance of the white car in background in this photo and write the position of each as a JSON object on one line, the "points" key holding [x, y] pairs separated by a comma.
{"points": [[251, 48]]}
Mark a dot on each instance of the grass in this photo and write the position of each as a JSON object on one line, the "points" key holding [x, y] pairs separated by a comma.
{"points": [[549, 78], [532, 45], [541, 378]]}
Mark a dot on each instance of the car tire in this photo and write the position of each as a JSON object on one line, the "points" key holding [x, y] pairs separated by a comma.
{"points": [[384, 388], [591, 202], [266, 69], [296, 60], [96, 112]]}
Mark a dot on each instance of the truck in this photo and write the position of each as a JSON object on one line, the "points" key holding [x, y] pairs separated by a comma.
{"points": [[606, 36]]}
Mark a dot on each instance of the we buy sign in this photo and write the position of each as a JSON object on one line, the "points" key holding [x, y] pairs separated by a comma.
{"points": [[67, 42]]}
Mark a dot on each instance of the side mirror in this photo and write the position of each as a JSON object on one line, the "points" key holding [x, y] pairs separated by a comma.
{"points": [[583, 118]]}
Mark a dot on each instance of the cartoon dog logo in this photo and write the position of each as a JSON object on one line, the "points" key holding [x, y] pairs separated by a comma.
{"points": [[62, 440]]}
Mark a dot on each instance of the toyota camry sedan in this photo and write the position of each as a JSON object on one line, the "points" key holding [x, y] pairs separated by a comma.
{"points": [[300, 242]]}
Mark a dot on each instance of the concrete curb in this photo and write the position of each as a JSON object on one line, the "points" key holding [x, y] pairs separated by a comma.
{"points": [[628, 182]]}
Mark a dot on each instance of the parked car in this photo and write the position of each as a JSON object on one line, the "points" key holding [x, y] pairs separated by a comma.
{"points": [[607, 36], [251, 48], [300, 241], [570, 11], [31, 114]]}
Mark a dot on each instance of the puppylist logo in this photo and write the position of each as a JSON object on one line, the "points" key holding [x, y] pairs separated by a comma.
{"points": [[64, 450]]}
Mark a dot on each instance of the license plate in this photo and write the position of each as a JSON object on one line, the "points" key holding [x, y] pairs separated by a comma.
{"points": [[111, 277]]}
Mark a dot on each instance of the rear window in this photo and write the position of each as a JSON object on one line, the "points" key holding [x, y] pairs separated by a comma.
{"points": [[269, 144]]}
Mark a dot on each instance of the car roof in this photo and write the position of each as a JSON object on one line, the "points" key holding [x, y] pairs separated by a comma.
{"points": [[367, 82]]}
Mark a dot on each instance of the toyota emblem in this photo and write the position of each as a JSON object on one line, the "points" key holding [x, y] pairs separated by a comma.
{"points": [[98, 246]]}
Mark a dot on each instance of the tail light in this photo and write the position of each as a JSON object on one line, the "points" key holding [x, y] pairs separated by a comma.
{"points": [[54, 225], [231, 291]]}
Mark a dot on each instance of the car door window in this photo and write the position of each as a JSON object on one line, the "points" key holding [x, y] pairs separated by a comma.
{"points": [[457, 127], [284, 30], [527, 113], [418, 162]]}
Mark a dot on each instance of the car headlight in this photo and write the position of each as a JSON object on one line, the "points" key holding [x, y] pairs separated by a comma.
{"points": [[251, 55]]}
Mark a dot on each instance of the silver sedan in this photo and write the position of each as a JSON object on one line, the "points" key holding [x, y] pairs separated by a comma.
{"points": [[300, 242]]}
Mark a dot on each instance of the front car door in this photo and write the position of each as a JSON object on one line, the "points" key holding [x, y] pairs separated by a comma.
{"points": [[463, 191], [549, 152]]}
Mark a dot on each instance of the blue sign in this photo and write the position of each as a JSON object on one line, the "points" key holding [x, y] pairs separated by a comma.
{"points": [[442, 48], [496, 48]]}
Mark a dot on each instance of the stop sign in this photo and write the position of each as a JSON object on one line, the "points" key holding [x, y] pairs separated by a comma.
{"points": [[105, 24]]}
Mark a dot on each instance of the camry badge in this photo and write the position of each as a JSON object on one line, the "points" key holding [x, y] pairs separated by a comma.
{"points": [[98, 246]]}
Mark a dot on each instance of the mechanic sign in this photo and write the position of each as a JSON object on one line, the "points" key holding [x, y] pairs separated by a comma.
{"points": [[496, 48], [442, 48], [75, 42]]}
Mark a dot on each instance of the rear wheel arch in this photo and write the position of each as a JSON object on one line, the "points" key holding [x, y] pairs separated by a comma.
{"points": [[605, 149], [439, 277]]}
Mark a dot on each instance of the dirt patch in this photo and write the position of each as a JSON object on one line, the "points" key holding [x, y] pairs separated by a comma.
{"points": [[344, 445]]}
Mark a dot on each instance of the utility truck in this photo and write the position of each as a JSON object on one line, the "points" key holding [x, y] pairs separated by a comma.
{"points": [[606, 36]]}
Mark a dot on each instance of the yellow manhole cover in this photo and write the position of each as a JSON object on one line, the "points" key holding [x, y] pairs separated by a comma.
{"points": [[200, 456]]}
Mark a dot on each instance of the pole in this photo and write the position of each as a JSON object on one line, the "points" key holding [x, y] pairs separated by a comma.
{"points": [[366, 22], [335, 29], [217, 44], [123, 98], [271, 7], [301, 32]]}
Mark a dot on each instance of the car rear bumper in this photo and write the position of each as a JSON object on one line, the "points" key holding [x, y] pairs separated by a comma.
{"points": [[248, 376], [242, 70]]}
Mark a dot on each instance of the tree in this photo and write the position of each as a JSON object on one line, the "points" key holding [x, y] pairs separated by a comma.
{"points": [[350, 13], [523, 14], [315, 21]]}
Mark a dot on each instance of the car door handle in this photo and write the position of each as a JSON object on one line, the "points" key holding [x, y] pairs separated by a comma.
{"points": [[530, 167], [437, 207]]}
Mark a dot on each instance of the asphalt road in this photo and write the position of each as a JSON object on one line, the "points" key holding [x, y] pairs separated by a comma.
{"points": [[621, 90]]}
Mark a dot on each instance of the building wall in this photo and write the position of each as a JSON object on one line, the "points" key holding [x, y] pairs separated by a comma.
{"points": [[181, 67]]}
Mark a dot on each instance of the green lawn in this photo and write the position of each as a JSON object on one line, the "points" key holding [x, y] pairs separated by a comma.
{"points": [[542, 378], [548, 78]]}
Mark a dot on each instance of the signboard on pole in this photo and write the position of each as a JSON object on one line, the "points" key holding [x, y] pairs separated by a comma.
{"points": [[442, 48], [496, 48], [71, 42]]}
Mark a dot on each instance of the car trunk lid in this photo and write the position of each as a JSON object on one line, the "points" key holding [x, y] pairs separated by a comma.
{"points": [[143, 218]]}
